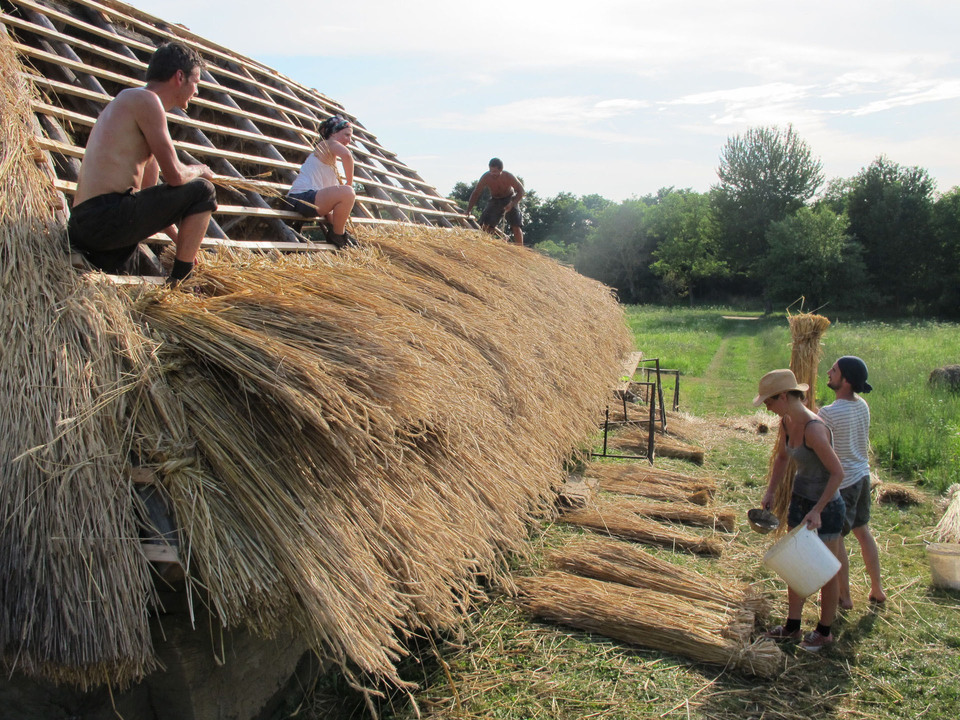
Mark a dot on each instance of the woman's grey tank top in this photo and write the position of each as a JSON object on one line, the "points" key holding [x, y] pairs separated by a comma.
{"points": [[812, 476]]}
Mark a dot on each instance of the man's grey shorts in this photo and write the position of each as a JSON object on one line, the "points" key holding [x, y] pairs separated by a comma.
{"points": [[857, 499]]}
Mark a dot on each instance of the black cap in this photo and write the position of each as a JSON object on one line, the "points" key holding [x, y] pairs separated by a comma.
{"points": [[855, 371]]}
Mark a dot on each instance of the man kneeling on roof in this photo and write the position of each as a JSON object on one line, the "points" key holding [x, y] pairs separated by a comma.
{"points": [[120, 201]]}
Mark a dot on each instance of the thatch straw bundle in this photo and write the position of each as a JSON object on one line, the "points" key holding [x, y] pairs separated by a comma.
{"points": [[948, 528], [702, 631], [75, 589], [806, 330], [627, 564], [664, 445], [651, 482], [682, 512], [349, 442], [891, 493], [618, 521]]}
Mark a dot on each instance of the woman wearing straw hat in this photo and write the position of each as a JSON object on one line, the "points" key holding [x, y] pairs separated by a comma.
{"points": [[815, 500], [317, 190]]}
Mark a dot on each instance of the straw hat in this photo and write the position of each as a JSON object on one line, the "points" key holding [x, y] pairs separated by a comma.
{"points": [[776, 382]]}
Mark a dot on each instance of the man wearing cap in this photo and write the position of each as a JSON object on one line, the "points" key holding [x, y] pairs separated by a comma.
{"points": [[848, 417]]}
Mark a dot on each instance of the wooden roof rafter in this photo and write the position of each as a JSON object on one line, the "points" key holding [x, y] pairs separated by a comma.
{"points": [[247, 120]]}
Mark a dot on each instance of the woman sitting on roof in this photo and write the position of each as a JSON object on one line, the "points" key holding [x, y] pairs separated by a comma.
{"points": [[317, 190]]}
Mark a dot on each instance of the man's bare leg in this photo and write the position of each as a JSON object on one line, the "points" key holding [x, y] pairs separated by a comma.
{"points": [[518, 234], [871, 559], [843, 576]]}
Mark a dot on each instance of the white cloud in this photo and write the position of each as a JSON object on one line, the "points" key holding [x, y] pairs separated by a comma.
{"points": [[573, 116]]}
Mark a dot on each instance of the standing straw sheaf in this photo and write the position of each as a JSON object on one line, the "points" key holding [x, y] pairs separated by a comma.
{"points": [[697, 629], [75, 591], [947, 529], [806, 331]]}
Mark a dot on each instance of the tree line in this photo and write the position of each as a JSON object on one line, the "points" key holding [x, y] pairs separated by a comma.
{"points": [[769, 229]]}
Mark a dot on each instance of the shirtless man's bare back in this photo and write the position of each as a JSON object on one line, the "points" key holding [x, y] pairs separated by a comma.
{"points": [[119, 202], [505, 195]]}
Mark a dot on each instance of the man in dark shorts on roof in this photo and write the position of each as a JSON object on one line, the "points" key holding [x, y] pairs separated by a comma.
{"points": [[506, 192], [119, 200]]}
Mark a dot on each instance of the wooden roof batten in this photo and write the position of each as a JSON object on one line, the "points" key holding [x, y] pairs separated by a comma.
{"points": [[247, 121]]}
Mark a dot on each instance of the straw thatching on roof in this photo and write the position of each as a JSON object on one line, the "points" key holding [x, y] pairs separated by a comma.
{"points": [[347, 443], [704, 631]]}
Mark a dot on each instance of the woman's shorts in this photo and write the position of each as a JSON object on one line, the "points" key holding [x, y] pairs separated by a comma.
{"points": [[303, 203], [831, 517]]}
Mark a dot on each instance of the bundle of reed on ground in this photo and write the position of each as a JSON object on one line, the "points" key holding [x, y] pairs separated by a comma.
{"points": [[948, 528], [627, 564], [664, 445], [682, 512], [75, 589], [806, 349], [703, 631], [610, 518], [891, 493], [651, 482]]}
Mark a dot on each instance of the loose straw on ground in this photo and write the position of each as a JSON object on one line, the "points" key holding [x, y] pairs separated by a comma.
{"points": [[699, 630]]}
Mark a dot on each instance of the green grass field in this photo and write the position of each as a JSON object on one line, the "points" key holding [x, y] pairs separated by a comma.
{"points": [[899, 662]]}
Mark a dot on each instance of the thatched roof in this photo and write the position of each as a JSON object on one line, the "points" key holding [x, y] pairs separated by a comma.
{"points": [[347, 442]]}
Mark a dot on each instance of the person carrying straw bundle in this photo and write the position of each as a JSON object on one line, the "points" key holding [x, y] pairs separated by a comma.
{"points": [[317, 190], [119, 200], [815, 500]]}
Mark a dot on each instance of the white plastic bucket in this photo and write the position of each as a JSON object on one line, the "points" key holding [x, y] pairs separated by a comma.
{"points": [[944, 564], [802, 560]]}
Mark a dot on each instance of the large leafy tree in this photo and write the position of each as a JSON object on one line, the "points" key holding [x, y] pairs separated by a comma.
{"points": [[685, 228], [890, 208], [765, 175], [619, 252], [946, 228], [811, 255]]}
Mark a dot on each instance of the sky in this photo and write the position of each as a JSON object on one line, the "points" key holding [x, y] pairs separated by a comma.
{"points": [[614, 97]]}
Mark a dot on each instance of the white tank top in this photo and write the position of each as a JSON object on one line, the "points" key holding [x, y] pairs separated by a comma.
{"points": [[314, 175]]}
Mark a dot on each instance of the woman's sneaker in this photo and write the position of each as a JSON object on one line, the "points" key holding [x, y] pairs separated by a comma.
{"points": [[780, 633], [815, 642]]}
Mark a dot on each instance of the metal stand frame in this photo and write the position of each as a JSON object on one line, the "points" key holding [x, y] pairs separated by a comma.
{"points": [[651, 433]]}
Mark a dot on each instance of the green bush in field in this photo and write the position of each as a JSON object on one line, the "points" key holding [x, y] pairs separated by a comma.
{"points": [[915, 428]]}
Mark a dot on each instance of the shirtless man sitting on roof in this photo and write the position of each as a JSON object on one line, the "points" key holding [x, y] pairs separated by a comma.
{"points": [[505, 195], [119, 201]]}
